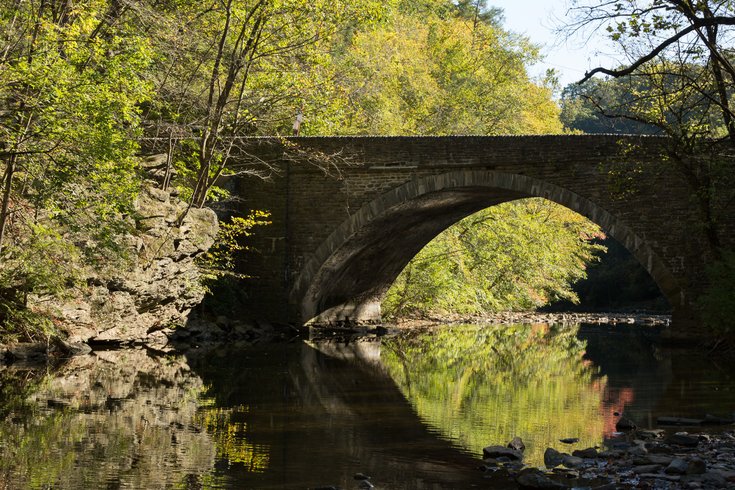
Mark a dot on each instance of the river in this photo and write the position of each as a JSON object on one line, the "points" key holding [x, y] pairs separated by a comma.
{"points": [[412, 411]]}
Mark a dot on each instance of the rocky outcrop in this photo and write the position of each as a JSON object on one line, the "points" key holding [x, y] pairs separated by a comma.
{"points": [[159, 288]]}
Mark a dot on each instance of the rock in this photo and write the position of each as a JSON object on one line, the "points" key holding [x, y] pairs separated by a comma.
{"points": [[72, 349], [552, 457], [534, 478], [696, 467], [677, 467], [714, 479], [683, 439], [625, 424], [649, 468], [26, 351], [572, 461], [569, 440], [156, 290], [651, 433], [496, 452], [659, 476], [590, 452], [658, 459], [517, 444]]}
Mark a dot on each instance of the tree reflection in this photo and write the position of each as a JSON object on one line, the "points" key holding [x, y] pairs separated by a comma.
{"points": [[486, 385]]}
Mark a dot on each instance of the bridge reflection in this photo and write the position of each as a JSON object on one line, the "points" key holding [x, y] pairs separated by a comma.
{"points": [[332, 414]]}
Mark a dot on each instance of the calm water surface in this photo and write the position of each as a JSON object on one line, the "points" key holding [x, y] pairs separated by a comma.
{"points": [[412, 411]]}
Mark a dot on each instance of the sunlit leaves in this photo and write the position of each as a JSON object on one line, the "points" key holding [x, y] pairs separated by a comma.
{"points": [[514, 256], [440, 72]]}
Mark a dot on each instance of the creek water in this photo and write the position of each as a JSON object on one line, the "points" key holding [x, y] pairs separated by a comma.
{"points": [[413, 411]]}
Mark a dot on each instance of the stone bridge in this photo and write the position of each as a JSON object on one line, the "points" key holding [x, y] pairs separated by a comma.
{"points": [[349, 212]]}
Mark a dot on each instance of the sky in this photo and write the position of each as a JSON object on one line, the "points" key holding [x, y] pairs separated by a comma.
{"points": [[537, 19]]}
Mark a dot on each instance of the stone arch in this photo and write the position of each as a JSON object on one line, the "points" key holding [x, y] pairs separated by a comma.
{"points": [[348, 274]]}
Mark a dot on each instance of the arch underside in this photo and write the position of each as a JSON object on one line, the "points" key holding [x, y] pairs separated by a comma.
{"points": [[349, 274]]}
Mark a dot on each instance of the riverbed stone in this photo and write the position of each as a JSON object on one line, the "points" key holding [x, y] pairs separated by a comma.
{"points": [[534, 478], [572, 461], [552, 457], [661, 476], [696, 466], [683, 439], [677, 466], [649, 468], [650, 434], [589, 452], [517, 444], [656, 459], [625, 424], [497, 452]]}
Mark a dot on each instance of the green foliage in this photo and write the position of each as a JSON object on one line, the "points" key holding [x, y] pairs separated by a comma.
{"points": [[514, 256], [718, 302], [677, 76], [68, 136], [239, 67], [462, 379], [580, 108], [231, 239], [436, 71]]}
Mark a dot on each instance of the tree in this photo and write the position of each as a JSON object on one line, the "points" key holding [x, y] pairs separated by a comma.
{"points": [[581, 108], [236, 66], [679, 77], [68, 125], [514, 256], [439, 71]]}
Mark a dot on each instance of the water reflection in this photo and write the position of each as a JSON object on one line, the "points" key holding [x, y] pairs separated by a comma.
{"points": [[413, 411], [114, 419], [483, 386]]}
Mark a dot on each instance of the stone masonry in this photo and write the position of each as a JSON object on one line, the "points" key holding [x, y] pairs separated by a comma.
{"points": [[349, 212]]}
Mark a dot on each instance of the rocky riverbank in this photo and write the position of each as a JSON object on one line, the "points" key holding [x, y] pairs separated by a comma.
{"points": [[651, 459]]}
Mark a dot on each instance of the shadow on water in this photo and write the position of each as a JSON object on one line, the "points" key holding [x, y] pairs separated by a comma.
{"points": [[325, 412]]}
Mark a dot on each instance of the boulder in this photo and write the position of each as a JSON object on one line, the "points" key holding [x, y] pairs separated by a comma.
{"points": [[517, 444], [590, 452], [572, 461], [677, 467], [495, 452], [552, 457], [683, 439], [696, 466], [625, 424]]}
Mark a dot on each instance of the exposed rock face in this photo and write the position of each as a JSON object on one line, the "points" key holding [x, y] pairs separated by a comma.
{"points": [[160, 289]]}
